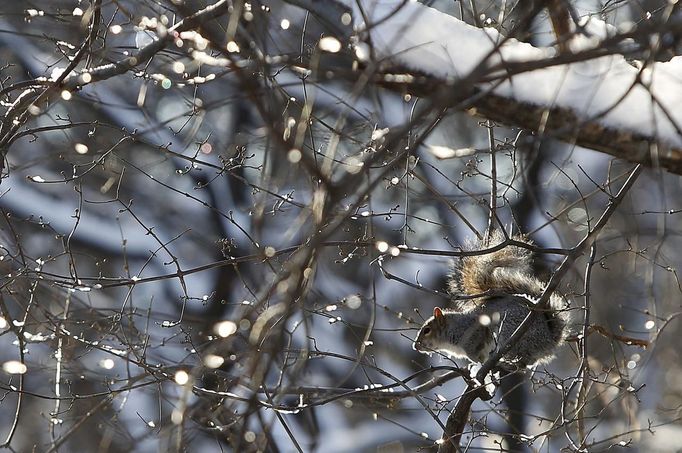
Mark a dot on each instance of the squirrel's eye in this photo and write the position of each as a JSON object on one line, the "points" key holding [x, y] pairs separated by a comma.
{"points": [[427, 330]]}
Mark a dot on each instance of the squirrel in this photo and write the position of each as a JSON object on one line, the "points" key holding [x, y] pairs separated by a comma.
{"points": [[505, 291]]}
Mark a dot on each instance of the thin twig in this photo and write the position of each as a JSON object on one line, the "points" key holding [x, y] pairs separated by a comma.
{"points": [[456, 420]]}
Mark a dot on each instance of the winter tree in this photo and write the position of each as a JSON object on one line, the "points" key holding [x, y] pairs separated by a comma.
{"points": [[224, 222]]}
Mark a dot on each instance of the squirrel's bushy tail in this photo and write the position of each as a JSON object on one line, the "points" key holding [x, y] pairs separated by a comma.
{"points": [[507, 270]]}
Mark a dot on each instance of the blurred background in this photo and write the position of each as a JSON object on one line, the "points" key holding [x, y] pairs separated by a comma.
{"points": [[227, 243]]}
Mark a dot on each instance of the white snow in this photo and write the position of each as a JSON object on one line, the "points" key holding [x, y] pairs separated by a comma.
{"points": [[422, 38]]}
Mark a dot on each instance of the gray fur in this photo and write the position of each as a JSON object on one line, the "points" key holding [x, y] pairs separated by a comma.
{"points": [[477, 333], [507, 291]]}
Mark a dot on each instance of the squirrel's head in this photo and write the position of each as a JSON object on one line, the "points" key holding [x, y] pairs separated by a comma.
{"points": [[458, 335], [430, 335]]}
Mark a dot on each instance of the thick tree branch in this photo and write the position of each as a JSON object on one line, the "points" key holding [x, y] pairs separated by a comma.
{"points": [[549, 122], [589, 95]]}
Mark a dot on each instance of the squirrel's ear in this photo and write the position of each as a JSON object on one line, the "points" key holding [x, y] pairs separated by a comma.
{"points": [[437, 313]]}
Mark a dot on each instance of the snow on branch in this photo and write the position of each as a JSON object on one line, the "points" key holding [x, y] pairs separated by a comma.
{"points": [[591, 96]]}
